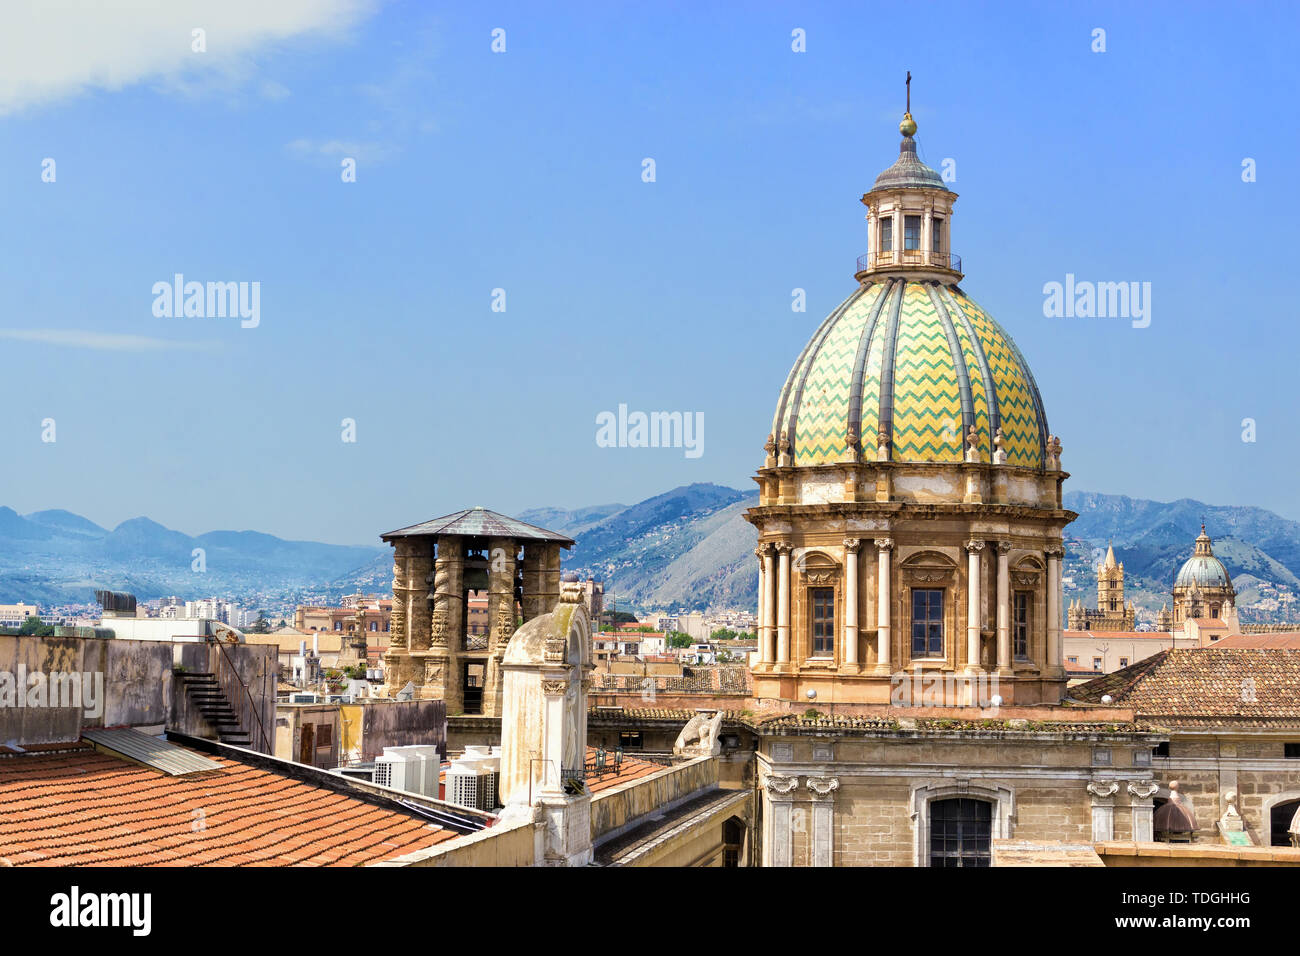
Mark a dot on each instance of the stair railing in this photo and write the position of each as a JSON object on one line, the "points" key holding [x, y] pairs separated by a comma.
{"points": [[231, 684]]}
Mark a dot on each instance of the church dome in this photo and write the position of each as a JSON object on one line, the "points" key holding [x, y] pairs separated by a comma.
{"points": [[908, 172], [1203, 569], [918, 363]]}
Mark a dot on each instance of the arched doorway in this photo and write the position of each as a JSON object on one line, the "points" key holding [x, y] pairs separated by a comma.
{"points": [[961, 830], [1279, 822]]}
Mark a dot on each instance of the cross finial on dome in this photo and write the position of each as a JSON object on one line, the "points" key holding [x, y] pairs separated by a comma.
{"points": [[908, 126]]}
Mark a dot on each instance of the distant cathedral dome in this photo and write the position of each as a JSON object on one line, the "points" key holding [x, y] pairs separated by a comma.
{"points": [[1203, 569]]}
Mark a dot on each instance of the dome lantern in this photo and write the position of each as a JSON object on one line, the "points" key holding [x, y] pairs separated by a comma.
{"points": [[909, 209]]}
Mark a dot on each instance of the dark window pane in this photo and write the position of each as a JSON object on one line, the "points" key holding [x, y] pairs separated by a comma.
{"points": [[927, 622], [912, 232], [823, 622], [960, 832]]}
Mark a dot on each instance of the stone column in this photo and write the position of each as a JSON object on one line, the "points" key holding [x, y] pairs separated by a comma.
{"points": [[420, 595], [1055, 651], [533, 585], [553, 700], [973, 549], [850, 656], [767, 602], [778, 795], [927, 228], [501, 618], [1103, 809], [1004, 608], [401, 596], [884, 598], [823, 819], [443, 678], [783, 604], [1143, 810], [762, 605]]}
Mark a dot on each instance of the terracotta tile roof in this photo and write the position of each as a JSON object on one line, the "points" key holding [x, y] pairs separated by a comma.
{"points": [[1285, 639], [787, 723], [1216, 683], [85, 808], [630, 769], [639, 715], [1121, 635]]}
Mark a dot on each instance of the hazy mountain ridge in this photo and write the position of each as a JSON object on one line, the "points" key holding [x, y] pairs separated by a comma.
{"points": [[687, 548], [56, 557]]}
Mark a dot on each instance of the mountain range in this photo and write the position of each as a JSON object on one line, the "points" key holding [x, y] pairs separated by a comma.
{"points": [[688, 548], [55, 557]]}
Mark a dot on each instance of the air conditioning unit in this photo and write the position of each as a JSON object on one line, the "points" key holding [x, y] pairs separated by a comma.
{"points": [[472, 780], [401, 771], [426, 763], [302, 698]]}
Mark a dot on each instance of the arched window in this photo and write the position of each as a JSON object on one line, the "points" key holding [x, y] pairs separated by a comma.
{"points": [[961, 831]]}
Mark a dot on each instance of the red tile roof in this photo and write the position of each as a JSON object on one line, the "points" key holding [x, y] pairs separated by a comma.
{"points": [[1222, 684], [630, 769], [1122, 635], [1285, 639], [86, 808]]}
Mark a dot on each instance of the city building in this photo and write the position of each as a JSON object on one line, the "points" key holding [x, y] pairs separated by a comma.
{"points": [[16, 615]]}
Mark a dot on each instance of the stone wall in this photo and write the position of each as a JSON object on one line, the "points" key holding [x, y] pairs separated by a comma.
{"points": [[138, 685], [501, 845], [620, 808]]}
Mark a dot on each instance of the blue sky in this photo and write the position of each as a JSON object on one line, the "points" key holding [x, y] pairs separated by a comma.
{"points": [[522, 171]]}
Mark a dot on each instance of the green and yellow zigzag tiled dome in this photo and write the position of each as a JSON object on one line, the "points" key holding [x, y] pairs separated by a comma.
{"points": [[919, 362]]}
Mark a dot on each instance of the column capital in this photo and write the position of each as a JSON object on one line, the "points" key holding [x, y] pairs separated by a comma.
{"points": [[779, 785], [1004, 548], [783, 547], [1056, 551], [822, 786], [884, 544], [974, 547], [851, 545], [1143, 789], [1103, 789]]}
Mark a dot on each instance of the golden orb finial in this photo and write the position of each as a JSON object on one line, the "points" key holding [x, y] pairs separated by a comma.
{"points": [[908, 126]]}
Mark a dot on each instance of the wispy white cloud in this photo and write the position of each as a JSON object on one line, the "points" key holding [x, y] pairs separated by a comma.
{"points": [[54, 49], [104, 341], [331, 149]]}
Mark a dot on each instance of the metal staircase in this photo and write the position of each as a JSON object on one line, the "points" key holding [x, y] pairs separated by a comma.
{"points": [[206, 693]]}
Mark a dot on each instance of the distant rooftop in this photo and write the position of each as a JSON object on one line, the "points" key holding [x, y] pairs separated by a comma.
{"points": [[479, 523]]}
